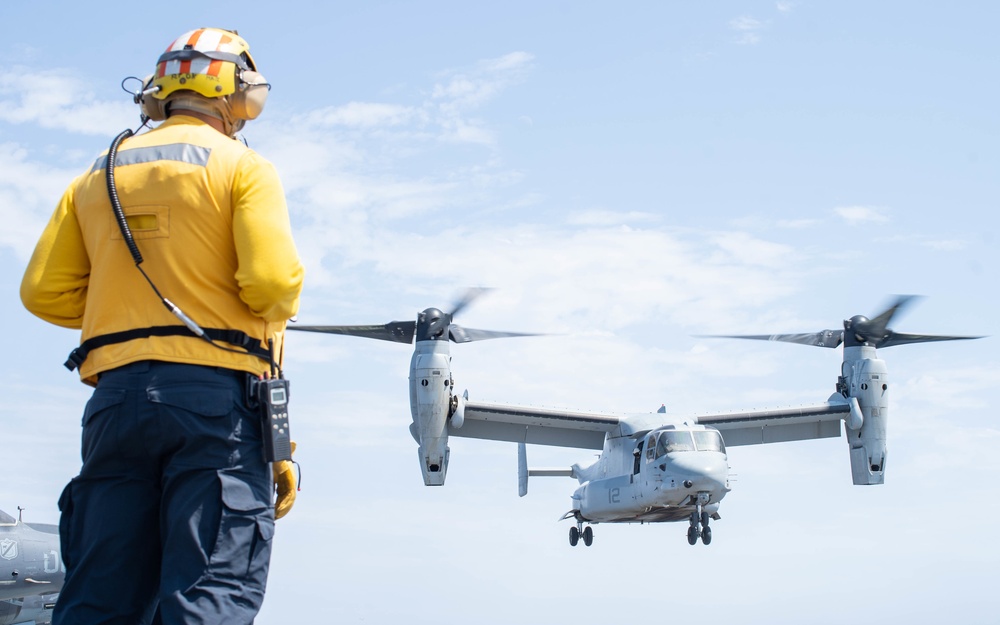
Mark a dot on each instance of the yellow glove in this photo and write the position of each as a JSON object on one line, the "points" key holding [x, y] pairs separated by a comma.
{"points": [[285, 484]]}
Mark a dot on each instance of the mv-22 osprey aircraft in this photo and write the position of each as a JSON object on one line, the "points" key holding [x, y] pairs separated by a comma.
{"points": [[31, 571], [652, 467]]}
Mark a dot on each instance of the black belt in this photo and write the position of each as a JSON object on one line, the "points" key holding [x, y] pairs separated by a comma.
{"points": [[236, 338]]}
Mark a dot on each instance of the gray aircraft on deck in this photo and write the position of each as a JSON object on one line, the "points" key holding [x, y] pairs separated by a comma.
{"points": [[31, 571]]}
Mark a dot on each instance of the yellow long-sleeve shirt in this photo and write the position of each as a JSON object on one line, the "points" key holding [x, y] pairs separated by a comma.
{"points": [[210, 220]]}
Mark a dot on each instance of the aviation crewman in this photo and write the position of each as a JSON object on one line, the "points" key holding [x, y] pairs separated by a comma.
{"points": [[171, 516]]}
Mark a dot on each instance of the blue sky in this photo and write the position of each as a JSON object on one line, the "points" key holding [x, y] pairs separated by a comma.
{"points": [[625, 177]]}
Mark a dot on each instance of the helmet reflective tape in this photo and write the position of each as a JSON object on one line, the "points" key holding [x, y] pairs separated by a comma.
{"points": [[205, 61], [210, 39]]}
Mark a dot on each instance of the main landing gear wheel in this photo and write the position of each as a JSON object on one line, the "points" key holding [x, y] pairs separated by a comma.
{"points": [[706, 535], [578, 531]]}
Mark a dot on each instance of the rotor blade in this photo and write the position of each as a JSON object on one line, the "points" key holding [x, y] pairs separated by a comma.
{"points": [[396, 331], [901, 338], [878, 325], [826, 338], [467, 298], [459, 334]]}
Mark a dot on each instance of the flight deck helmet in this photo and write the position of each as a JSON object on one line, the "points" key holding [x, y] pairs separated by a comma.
{"points": [[214, 64]]}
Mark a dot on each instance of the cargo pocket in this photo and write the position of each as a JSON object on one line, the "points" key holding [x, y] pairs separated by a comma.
{"points": [[66, 525], [243, 546]]}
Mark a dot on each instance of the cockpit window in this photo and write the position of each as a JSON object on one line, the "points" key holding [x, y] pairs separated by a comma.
{"points": [[708, 440], [650, 447], [673, 441]]}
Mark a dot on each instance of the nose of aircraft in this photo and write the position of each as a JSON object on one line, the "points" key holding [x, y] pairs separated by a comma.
{"points": [[705, 470]]}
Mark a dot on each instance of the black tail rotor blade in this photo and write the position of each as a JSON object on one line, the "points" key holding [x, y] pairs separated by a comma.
{"points": [[395, 331]]}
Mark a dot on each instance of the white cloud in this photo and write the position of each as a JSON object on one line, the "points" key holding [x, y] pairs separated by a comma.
{"points": [[746, 23], [361, 115], [28, 194], [749, 29], [797, 224], [400, 129], [460, 91], [957, 389], [58, 100], [457, 130], [472, 88], [946, 245], [784, 6], [512, 62], [746, 249], [855, 215], [598, 217], [642, 274]]}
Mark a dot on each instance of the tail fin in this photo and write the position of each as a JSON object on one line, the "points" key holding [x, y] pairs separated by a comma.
{"points": [[523, 471]]}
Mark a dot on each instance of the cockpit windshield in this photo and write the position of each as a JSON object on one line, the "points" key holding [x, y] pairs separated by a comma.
{"points": [[683, 440], [708, 440], [673, 441]]}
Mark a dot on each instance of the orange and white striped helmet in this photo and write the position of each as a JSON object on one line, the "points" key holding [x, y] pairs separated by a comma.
{"points": [[207, 61]]}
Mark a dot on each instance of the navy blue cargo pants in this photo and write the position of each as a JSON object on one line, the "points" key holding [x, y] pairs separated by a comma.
{"points": [[170, 519]]}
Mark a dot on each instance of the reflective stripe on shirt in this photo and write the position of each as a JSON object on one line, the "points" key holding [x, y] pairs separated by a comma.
{"points": [[182, 152]]}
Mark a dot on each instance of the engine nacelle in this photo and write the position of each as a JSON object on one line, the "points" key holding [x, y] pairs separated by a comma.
{"points": [[865, 378], [434, 463], [430, 401]]}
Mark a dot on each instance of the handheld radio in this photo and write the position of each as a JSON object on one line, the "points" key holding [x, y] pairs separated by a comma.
{"points": [[272, 395]]}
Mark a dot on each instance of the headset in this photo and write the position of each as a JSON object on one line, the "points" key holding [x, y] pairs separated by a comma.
{"points": [[246, 103]]}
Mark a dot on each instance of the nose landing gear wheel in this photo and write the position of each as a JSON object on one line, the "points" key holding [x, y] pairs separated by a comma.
{"points": [[574, 536], [692, 535], [699, 527], [588, 535]]}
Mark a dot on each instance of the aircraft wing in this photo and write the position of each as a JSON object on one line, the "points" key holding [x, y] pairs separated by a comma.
{"points": [[756, 427], [538, 426]]}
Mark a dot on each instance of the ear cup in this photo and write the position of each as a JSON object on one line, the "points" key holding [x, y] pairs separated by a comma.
{"points": [[248, 100], [150, 107]]}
